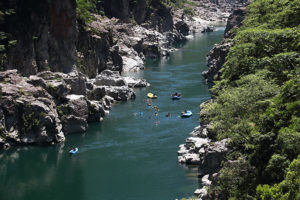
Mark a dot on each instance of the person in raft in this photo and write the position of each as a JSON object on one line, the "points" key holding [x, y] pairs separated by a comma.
{"points": [[176, 94]]}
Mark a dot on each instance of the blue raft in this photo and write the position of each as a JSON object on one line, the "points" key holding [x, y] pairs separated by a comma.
{"points": [[73, 151], [186, 114]]}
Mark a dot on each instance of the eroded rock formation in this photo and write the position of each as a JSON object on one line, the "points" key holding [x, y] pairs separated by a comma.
{"points": [[43, 108]]}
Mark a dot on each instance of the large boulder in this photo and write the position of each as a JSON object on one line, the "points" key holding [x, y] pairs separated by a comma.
{"points": [[96, 93], [182, 27], [122, 93], [76, 81], [54, 84], [110, 78], [74, 114], [27, 113], [136, 83], [96, 111]]}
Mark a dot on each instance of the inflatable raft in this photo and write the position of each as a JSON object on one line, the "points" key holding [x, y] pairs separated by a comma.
{"points": [[186, 114]]}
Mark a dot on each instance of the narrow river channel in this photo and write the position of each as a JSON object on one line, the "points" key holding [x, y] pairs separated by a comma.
{"points": [[129, 156]]}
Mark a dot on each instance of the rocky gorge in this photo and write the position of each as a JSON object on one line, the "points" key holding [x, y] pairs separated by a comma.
{"points": [[61, 73]]}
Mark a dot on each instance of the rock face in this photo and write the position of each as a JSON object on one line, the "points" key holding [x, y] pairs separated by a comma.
{"points": [[46, 34], [216, 56], [28, 113], [234, 20], [45, 107], [215, 60]]}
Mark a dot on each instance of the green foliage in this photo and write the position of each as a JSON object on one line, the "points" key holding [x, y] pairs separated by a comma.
{"points": [[291, 184], [186, 5], [84, 9], [289, 141], [266, 192], [276, 167], [273, 14], [236, 111], [255, 47], [289, 188], [235, 181], [257, 104]]}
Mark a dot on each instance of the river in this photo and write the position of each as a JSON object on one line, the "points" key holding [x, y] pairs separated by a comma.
{"points": [[131, 155]]}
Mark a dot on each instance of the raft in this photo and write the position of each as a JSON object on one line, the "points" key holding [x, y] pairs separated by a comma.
{"points": [[174, 97], [186, 114], [151, 96], [73, 151]]}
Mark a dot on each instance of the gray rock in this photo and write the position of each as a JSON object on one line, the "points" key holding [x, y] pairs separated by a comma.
{"points": [[97, 93], [136, 83], [207, 29], [213, 156], [182, 27], [74, 114], [110, 78], [215, 61], [96, 111], [28, 113], [201, 193], [205, 180], [76, 81], [216, 56], [122, 93]]}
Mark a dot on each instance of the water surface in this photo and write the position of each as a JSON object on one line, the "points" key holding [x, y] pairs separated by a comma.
{"points": [[129, 156]]}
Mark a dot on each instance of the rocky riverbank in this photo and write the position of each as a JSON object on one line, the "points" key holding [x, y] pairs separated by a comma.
{"points": [[201, 148], [45, 107]]}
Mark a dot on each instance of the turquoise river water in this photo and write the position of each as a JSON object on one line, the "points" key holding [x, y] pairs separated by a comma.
{"points": [[128, 156]]}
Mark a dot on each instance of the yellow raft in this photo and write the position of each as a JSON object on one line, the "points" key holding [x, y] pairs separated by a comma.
{"points": [[151, 96]]}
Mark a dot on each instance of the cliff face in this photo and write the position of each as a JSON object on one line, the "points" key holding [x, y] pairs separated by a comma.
{"points": [[216, 56], [46, 34]]}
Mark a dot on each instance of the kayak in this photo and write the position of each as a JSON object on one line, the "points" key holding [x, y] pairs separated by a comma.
{"points": [[174, 97], [151, 96], [72, 151], [186, 114]]}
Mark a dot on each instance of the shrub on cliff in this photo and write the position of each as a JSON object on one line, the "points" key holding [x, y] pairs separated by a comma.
{"points": [[84, 9]]}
